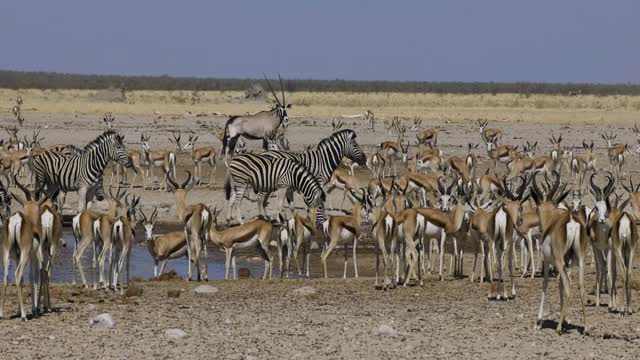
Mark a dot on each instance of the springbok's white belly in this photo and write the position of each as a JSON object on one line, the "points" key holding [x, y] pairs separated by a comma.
{"points": [[241, 245], [346, 235]]}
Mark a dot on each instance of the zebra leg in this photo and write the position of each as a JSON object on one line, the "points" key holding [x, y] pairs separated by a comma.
{"points": [[82, 199], [262, 203], [239, 195]]}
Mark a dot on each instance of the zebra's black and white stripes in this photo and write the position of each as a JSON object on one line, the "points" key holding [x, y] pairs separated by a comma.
{"points": [[265, 174], [54, 170], [323, 161]]}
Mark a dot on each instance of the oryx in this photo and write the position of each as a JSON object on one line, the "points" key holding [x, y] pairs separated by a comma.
{"points": [[256, 126]]}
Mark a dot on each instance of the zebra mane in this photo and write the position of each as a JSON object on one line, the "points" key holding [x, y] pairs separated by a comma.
{"points": [[107, 135], [333, 136]]}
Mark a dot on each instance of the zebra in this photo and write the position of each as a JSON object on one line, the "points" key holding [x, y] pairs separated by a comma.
{"points": [[324, 160], [264, 175], [82, 172]]}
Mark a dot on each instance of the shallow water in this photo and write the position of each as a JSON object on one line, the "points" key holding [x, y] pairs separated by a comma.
{"points": [[142, 263]]}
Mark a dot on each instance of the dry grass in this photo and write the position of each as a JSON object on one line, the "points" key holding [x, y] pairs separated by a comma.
{"points": [[507, 107]]}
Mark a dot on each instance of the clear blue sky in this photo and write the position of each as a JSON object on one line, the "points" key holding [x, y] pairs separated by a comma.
{"points": [[549, 41]]}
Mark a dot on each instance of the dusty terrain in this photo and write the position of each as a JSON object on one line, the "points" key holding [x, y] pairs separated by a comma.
{"points": [[265, 319]]}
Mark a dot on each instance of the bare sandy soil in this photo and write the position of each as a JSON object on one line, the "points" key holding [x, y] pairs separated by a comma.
{"points": [[265, 319]]}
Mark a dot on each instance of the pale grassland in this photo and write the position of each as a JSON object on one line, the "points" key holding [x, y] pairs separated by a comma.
{"points": [[501, 107]]}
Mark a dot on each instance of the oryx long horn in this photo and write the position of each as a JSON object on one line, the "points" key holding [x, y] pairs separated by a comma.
{"points": [[271, 88], [284, 102]]}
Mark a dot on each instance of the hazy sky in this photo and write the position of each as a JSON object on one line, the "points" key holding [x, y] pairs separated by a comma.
{"points": [[558, 41]]}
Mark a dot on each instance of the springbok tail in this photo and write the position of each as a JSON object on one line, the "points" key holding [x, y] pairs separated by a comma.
{"points": [[172, 163], [75, 226]]}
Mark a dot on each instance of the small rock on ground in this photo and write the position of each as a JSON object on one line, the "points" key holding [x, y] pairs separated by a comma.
{"points": [[133, 290], [175, 333], [173, 293], [205, 289], [244, 273], [102, 321], [305, 290], [385, 330]]}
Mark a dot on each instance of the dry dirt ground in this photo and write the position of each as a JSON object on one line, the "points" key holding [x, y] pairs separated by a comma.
{"points": [[265, 319]]}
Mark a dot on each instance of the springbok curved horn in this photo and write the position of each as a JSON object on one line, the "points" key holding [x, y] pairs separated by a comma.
{"points": [[608, 189], [271, 88], [186, 181], [554, 187], [27, 192], [596, 190], [535, 190], [522, 187], [154, 214], [144, 217], [171, 180], [440, 186], [454, 182], [629, 190], [505, 189]]}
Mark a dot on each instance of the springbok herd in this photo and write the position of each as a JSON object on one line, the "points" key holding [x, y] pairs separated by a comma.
{"points": [[437, 203]]}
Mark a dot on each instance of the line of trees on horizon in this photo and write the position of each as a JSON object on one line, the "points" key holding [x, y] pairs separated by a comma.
{"points": [[52, 80]]}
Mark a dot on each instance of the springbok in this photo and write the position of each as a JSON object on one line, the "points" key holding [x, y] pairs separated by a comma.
{"points": [[197, 219], [201, 155], [255, 126], [102, 231], [164, 159], [599, 231], [21, 240], [391, 149], [451, 221], [383, 234], [563, 245], [295, 234], [428, 137], [343, 180], [256, 233], [488, 185], [169, 246], [481, 226], [344, 229], [375, 163], [123, 235], [489, 135], [616, 154], [556, 151]]}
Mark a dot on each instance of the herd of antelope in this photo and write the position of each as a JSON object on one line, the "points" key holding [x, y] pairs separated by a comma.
{"points": [[434, 204]]}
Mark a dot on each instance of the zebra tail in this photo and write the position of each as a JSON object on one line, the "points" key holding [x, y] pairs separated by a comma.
{"points": [[227, 186], [225, 138]]}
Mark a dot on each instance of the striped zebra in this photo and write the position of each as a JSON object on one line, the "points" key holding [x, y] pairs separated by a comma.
{"points": [[324, 160], [80, 172], [264, 175]]}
